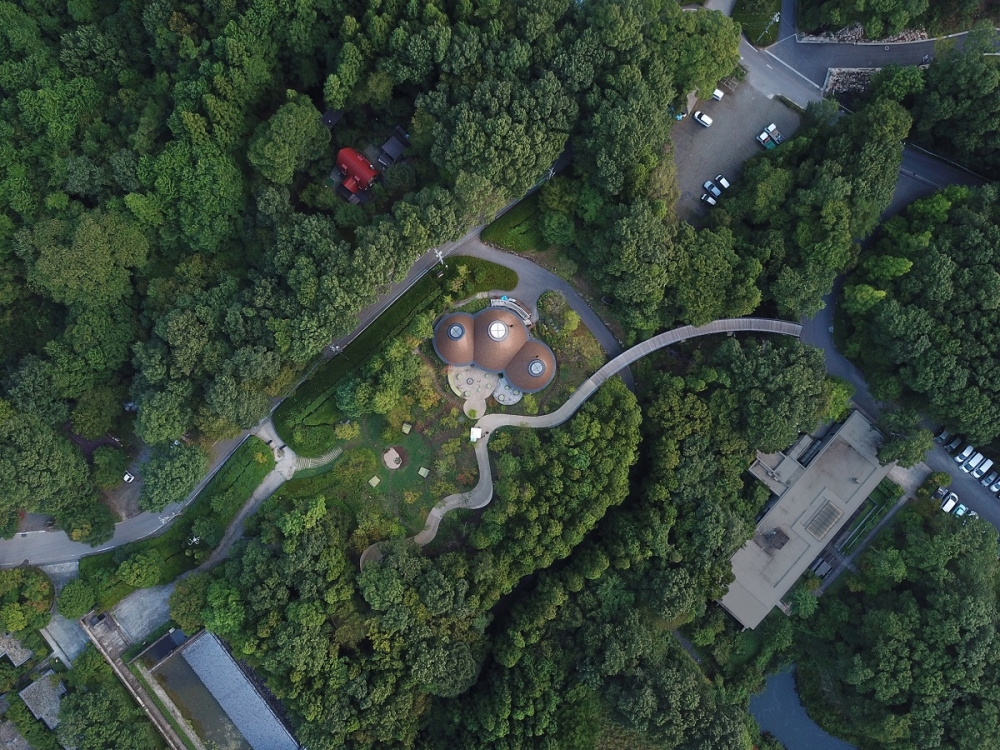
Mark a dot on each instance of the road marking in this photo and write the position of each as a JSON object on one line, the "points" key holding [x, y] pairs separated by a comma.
{"points": [[807, 80], [769, 66]]}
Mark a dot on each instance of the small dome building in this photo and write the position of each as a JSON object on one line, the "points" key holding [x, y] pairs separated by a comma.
{"points": [[495, 340]]}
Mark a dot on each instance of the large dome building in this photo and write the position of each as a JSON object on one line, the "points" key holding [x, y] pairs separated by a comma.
{"points": [[495, 340]]}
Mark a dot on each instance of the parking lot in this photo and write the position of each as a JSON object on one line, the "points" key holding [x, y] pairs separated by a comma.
{"points": [[701, 153], [970, 492]]}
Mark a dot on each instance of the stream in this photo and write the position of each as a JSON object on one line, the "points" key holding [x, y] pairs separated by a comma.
{"points": [[779, 712]]}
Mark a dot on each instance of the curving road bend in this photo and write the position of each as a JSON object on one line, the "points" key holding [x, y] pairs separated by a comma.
{"points": [[481, 495]]}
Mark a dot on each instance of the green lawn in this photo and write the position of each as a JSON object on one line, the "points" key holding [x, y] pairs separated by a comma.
{"points": [[755, 18], [221, 500], [519, 229]]}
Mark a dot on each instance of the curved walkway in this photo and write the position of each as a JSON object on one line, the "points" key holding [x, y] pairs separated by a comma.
{"points": [[481, 495]]}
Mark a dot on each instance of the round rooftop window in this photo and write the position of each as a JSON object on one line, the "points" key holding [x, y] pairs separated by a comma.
{"points": [[498, 330], [536, 368], [456, 331]]}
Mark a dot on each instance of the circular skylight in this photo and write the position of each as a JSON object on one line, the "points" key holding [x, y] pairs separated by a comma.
{"points": [[456, 331], [498, 330], [536, 368]]}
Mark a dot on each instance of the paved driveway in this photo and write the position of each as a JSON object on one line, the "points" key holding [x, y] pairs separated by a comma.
{"points": [[701, 153]]}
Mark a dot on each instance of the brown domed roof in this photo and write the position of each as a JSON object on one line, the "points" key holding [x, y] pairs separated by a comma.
{"points": [[454, 340], [499, 335], [532, 368]]}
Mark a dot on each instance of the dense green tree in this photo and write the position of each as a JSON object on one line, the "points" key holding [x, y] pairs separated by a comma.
{"points": [[141, 569], [908, 647], [39, 469], [924, 330], [170, 474], [98, 713], [293, 137], [87, 262], [958, 110], [76, 599], [109, 466]]}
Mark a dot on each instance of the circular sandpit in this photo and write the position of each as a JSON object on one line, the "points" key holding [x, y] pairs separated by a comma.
{"points": [[394, 458]]}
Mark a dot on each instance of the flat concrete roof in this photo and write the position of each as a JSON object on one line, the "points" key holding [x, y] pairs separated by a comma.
{"points": [[814, 503]]}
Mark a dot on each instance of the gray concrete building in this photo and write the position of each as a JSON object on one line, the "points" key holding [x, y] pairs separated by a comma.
{"points": [[819, 483]]}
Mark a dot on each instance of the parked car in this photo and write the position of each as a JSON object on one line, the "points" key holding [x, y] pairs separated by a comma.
{"points": [[995, 487], [722, 181], [965, 455], [711, 188], [942, 436], [980, 470], [702, 119], [973, 462], [717, 95], [708, 199], [961, 510], [990, 478], [949, 502], [129, 477], [954, 444]]}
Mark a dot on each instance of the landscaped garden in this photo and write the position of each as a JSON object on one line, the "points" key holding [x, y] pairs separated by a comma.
{"points": [[369, 400]]}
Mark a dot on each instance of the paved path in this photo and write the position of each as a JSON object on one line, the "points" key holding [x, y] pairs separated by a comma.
{"points": [[481, 495]]}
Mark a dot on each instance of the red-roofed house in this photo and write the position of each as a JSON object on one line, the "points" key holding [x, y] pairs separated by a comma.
{"points": [[358, 173]]}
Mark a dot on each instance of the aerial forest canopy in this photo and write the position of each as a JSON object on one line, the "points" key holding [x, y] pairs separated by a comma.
{"points": [[166, 236], [924, 307], [421, 650], [905, 655]]}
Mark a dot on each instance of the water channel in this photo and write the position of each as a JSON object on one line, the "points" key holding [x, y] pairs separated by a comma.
{"points": [[779, 712], [197, 705]]}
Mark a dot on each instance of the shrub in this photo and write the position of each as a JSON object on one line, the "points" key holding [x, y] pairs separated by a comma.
{"points": [[141, 570], [76, 599]]}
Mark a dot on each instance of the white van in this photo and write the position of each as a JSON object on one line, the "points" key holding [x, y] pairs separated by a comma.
{"points": [[973, 462], [982, 468], [717, 95]]}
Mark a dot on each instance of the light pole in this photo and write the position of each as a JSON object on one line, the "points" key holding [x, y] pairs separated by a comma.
{"points": [[774, 19]]}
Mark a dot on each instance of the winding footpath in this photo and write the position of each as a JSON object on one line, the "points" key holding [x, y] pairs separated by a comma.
{"points": [[481, 495]]}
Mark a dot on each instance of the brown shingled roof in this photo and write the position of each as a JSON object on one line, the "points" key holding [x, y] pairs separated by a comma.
{"points": [[455, 350], [532, 368], [499, 335]]}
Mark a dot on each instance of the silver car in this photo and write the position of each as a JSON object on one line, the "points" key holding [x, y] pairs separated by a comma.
{"points": [[711, 188]]}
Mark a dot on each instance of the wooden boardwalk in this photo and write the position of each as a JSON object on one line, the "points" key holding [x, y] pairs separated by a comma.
{"points": [[481, 495]]}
